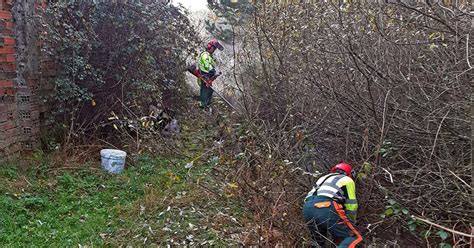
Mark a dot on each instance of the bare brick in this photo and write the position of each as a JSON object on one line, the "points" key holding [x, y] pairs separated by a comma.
{"points": [[5, 14]]}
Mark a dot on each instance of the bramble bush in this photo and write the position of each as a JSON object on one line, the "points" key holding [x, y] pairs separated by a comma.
{"points": [[113, 61]]}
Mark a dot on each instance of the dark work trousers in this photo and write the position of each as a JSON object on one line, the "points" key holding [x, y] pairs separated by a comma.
{"points": [[205, 94], [323, 218]]}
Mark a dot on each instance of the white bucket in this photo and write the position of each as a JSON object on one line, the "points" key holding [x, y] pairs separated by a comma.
{"points": [[113, 160]]}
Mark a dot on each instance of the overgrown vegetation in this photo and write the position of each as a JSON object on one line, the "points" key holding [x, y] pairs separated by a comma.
{"points": [[384, 87], [113, 62], [156, 201], [228, 14]]}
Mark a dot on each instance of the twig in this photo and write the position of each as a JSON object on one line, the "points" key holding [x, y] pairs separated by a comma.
{"points": [[442, 227], [26, 180], [202, 154], [384, 115], [467, 51], [209, 190], [441, 6], [388, 172], [437, 133], [460, 179], [374, 224]]}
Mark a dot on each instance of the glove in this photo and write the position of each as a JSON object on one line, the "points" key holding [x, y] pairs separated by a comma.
{"points": [[216, 75], [211, 73]]}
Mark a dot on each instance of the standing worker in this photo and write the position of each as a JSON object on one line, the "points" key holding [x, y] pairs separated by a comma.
{"points": [[207, 64], [331, 207]]}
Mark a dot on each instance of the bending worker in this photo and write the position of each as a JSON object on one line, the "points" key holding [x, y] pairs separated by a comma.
{"points": [[331, 207], [207, 64]]}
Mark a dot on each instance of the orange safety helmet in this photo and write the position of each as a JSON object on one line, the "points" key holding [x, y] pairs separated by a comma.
{"points": [[346, 168], [214, 43]]}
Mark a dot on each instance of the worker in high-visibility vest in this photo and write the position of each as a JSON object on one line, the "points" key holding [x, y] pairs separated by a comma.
{"points": [[207, 67], [331, 207]]}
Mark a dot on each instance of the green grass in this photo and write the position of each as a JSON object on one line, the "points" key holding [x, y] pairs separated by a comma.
{"points": [[157, 201]]}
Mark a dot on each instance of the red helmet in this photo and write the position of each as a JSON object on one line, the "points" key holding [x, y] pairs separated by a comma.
{"points": [[214, 44], [346, 168]]}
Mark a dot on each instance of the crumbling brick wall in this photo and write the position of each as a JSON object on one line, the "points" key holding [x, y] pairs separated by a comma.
{"points": [[21, 76]]}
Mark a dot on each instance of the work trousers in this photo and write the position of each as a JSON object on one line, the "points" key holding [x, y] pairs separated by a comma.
{"points": [[323, 215], [205, 94]]}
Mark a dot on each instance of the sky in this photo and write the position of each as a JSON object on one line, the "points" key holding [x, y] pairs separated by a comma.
{"points": [[192, 5]]}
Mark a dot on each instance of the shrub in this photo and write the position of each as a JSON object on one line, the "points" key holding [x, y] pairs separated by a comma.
{"points": [[387, 86], [114, 60]]}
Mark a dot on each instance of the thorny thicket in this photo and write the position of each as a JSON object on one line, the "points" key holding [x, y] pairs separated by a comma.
{"points": [[114, 60], [384, 87]]}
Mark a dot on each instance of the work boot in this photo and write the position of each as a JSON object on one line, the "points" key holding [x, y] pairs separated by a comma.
{"points": [[207, 110]]}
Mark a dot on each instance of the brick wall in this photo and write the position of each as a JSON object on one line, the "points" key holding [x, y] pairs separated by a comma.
{"points": [[9, 128], [21, 76]]}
